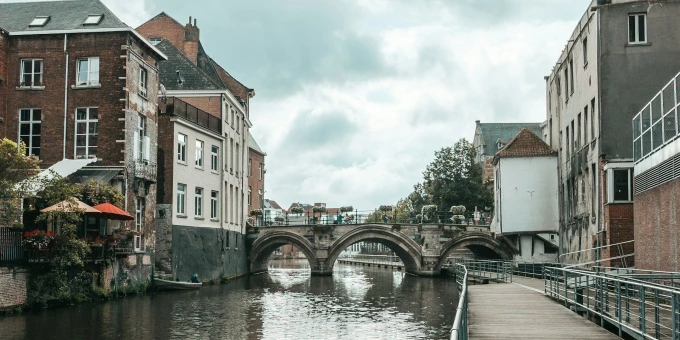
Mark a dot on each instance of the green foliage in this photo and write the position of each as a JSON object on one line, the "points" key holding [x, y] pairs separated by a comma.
{"points": [[256, 212], [454, 177], [297, 210], [15, 168], [94, 193], [385, 208], [458, 209], [348, 208], [319, 209]]}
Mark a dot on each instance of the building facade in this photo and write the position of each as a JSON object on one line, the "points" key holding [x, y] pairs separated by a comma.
{"points": [[205, 130], [657, 181], [610, 67], [77, 83], [256, 174], [526, 207]]}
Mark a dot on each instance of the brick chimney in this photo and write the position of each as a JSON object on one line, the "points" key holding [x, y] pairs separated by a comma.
{"points": [[191, 38]]}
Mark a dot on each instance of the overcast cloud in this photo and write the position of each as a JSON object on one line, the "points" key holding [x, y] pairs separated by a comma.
{"points": [[354, 96]]}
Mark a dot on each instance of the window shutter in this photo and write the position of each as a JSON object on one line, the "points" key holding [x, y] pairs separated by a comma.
{"points": [[147, 148], [134, 146]]}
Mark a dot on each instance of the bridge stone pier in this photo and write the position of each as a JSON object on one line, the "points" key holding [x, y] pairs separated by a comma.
{"points": [[423, 248]]}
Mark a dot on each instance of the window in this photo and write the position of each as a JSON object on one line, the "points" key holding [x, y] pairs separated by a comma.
{"points": [[155, 41], [620, 185], [585, 51], [181, 199], [585, 125], [142, 81], [39, 21], [260, 169], [199, 154], [93, 19], [592, 118], [214, 152], [29, 130], [573, 136], [577, 139], [231, 169], [213, 205], [31, 72], [593, 190], [250, 167], [259, 198], [139, 222], [566, 142], [571, 76], [238, 159], [566, 84], [87, 122], [181, 148], [142, 153], [250, 199], [233, 118], [637, 28], [198, 202], [88, 71]]}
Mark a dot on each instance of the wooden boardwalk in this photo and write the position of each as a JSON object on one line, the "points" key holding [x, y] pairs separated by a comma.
{"points": [[519, 311]]}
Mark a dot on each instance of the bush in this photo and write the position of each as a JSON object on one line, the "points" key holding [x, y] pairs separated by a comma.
{"points": [[385, 208], [297, 210], [319, 209], [458, 209], [256, 212]]}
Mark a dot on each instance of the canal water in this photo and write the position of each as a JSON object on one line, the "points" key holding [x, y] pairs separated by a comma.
{"points": [[286, 303]]}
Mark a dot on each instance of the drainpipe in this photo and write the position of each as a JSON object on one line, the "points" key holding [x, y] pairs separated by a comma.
{"points": [[65, 96]]}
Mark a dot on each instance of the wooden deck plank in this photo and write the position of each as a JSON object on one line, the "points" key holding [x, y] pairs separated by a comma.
{"points": [[509, 311]]}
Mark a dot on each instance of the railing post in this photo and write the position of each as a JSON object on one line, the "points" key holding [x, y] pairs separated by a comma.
{"points": [[657, 329], [675, 312], [641, 310], [618, 307]]}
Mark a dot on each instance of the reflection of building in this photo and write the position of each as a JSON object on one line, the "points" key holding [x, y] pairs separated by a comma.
{"points": [[657, 181], [76, 83], [527, 206], [615, 60]]}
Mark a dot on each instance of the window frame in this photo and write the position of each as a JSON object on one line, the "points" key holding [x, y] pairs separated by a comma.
{"points": [[181, 148], [636, 28], [198, 202], [260, 169], [214, 158], [89, 71], [32, 74], [214, 204], [181, 200], [98, 18], [140, 208], [87, 134], [31, 123], [611, 173], [198, 161], [143, 81]]}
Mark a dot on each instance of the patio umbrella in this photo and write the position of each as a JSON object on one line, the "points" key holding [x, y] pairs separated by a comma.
{"points": [[111, 212], [71, 206]]}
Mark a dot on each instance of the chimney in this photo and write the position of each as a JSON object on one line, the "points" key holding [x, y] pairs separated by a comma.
{"points": [[191, 39]]}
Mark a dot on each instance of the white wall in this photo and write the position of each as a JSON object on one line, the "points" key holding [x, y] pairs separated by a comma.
{"points": [[532, 249], [527, 191]]}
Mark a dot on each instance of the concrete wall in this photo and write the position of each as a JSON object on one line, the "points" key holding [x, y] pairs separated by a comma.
{"points": [[211, 253], [657, 229], [13, 287], [527, 203]]}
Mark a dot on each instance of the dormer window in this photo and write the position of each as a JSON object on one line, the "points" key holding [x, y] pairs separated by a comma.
{"points": [[155, 41], [93, 19], [39, 21]]}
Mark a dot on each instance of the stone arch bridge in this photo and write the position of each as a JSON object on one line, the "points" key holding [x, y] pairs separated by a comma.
{"points": [[423, 248]]}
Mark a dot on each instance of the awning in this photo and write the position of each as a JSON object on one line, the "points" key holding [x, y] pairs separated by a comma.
{"points": [[111, 212], [62, 168], [86, 175]]}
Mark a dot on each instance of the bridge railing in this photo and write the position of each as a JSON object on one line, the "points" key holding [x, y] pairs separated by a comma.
{"points": [[498, 270], [642, 309], [459, 330], [377, 259], [367, 216]]}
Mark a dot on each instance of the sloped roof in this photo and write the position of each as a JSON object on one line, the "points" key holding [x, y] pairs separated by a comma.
{"points": [[253, 144], [193, 77], [525, 144], [235, 87], [161, 14], [491, 133], [274, 204], [64, 15]]}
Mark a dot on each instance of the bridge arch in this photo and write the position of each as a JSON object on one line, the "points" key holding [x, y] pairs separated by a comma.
{"points": [[265, 245], [405, 247], [475, 240]]}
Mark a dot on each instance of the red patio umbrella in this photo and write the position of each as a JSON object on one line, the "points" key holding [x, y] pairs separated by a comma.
{"points": [[111, 212]]}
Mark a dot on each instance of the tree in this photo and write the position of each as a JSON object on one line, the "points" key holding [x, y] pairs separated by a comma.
{"points": [[15, 169], [454, 178]]}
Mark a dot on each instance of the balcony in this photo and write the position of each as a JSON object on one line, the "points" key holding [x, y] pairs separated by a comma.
{"points": [[179, 108], [145, 170]]}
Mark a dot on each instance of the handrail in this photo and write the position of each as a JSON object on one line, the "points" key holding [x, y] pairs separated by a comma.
{"points": [[459, 330], [624, 302], [593, 248]]}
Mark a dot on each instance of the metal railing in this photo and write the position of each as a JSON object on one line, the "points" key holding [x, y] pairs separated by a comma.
{"points": [[459, 330], [11, 245], [498, 270], [642, 309], [191, 113]]}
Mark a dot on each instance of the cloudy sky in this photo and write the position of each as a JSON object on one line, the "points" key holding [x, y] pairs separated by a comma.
{"points": [[354, 96]]}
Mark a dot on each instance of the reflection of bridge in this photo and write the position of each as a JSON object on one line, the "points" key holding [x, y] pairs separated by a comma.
{"points": [[423, 248]]}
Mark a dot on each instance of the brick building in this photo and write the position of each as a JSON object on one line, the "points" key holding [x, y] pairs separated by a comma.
{"points": [[77, 83], [657, 181], [202, 157], [616, 58], [256, 174]]}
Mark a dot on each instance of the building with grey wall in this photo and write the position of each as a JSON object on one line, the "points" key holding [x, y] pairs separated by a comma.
{"points": [[619, 54]]}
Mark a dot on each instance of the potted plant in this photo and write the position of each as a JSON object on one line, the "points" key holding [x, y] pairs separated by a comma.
{"points": [[347, 208], [297, 210], [319, 210], [279, 219], [256, 212]]}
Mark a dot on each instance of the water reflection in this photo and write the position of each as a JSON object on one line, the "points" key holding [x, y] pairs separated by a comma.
{"points": [[286, 303]]}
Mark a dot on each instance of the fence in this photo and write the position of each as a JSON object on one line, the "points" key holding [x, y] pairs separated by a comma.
{"points": [[459, 331], [332, 216], [11, 245], [191, 113], [498, 270], [643, 309]]}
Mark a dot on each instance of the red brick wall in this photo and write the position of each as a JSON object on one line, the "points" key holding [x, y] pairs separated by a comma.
{"points": [[254, 182], [619, 219], [657, 232], [211, 105], [163, 26]]}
